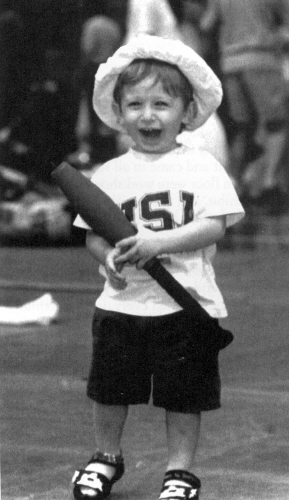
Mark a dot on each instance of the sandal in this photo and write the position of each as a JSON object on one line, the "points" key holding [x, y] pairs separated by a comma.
{"points": [[180, 485], [97, 481]]}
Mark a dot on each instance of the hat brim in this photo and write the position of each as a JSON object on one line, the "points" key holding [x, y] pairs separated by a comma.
{"points": [[207, 87]]}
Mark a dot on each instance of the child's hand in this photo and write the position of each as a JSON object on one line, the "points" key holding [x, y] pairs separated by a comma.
{"points": [[137, 249], [113, 269]]}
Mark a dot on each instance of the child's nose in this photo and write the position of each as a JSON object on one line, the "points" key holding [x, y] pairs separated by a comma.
{"points": [[147, 113]]}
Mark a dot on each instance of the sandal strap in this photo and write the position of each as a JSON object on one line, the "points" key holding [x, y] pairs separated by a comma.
{"points": [[182, 475], [180, 485], [106, 458], [115, 461]]}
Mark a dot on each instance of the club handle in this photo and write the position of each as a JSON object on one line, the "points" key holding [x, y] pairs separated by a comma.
{"points": [[165, 279]]}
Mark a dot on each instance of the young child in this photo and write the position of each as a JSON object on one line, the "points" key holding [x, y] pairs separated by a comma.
{"points": [[181, 201]]}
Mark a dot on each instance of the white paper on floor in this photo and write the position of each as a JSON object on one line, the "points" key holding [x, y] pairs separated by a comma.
{"points": [[43, 310]]}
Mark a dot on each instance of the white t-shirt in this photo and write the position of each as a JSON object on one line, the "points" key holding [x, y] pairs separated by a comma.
{"points": [[163, 192]]}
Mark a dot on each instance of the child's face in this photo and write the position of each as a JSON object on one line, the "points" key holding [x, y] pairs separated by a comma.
{"points": [[151, 117]]}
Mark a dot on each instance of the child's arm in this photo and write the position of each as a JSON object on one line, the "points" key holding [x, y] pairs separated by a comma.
{"points": [[192, 236], [106, 255]]}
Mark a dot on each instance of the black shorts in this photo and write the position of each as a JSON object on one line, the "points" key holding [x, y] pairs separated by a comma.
{"points": [[136, 355]]}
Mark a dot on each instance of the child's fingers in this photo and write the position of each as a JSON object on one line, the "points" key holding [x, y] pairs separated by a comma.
{"points": [[128, 256], [116, 279], [126, 242], [118, 285], [113, 269]]}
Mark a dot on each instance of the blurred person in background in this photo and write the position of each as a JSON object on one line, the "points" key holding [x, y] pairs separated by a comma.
{"points": [[251, 33], [114, 9], [161, 18], [103, 30], [212, 135], [192, 35], [38, 96], [101, 36], [177, 19]]}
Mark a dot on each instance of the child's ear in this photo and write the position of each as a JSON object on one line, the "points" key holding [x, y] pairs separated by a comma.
{"points": [[190, 113], [117, 112]]}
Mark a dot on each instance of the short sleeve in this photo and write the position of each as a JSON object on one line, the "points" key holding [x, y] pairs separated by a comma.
{"points": [[216, 194]]}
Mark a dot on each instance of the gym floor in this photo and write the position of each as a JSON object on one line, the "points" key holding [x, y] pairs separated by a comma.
{"points": [[47, 429]]}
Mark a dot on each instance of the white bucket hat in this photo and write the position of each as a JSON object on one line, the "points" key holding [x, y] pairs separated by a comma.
{"points": [[207, 87]]}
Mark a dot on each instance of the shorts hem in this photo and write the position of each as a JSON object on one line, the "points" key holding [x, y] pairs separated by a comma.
{"points": [[116, 401], [195, 409], [167, 407]]}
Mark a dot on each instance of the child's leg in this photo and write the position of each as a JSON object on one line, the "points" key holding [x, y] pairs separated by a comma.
{"points": [[183, 430], [186, 382], [180, 483], [109, 422]]}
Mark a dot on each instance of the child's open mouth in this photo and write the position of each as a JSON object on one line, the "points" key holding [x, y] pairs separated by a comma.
{"points": [[150, 133]]}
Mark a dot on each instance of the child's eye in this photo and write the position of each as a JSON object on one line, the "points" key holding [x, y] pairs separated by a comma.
{"points": [[162, 104], [134, 104]]}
